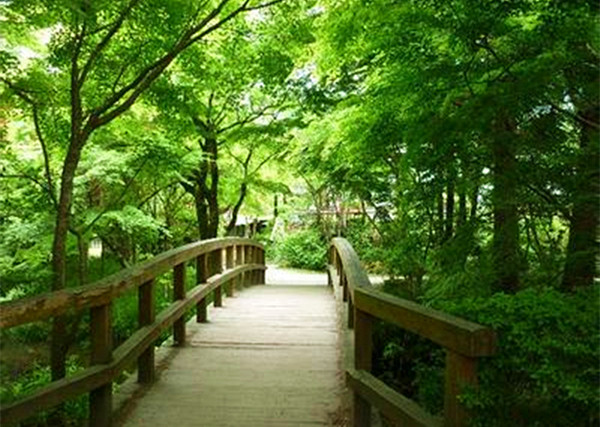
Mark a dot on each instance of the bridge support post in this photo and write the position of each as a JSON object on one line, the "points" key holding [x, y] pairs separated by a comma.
{"points": [[229, 264], [461, 371], [146, 317], [239, 260], [363, 347], [262, 273], [101, 338], [179, 294], [201, 275], [216, 268]]}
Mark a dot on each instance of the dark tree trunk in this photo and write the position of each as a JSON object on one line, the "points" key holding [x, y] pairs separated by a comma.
{"points": [[440, 216], [59, 345], [213, 191], [582, 249], [505, 244], [236, 209], [473, 202], [462, 209], [449, 229]]}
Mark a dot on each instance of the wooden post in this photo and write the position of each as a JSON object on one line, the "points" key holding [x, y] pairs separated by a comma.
{"points": [[216, 268], [239, 260], [179, 294], [344, 282], [251, 261], [248, 260], [350, 313], [229, 264], [363, 345], [262, 273], [461, 371], [101, 340], [146, 317], [201, 276]]}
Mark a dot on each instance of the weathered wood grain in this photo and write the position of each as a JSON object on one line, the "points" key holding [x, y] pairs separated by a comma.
{"points": [[459, 335], [127, 353], [55, 303], [402, 410]]}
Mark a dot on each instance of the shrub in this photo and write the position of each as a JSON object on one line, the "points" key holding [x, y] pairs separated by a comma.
{"points": [[546, 370], [76, 410], [302, 249]]}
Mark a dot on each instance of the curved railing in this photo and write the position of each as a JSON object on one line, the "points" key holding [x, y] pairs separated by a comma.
{"points": [[244, 264], [463, 341]]}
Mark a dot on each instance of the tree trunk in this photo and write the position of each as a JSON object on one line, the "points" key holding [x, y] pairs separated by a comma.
{"points": [[440, 216], [213, 191], [59, 346], [449, 229], [462, 209], [505, 244], [582, 249], [236, 209]]}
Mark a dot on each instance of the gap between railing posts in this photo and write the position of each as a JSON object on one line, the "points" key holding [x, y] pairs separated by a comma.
{"points": [[464, 341]]}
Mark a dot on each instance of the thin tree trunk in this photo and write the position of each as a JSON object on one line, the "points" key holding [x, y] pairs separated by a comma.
{"points": [[449, 229], [236, 209], [462, 209], [505, 244], [582, 249]]}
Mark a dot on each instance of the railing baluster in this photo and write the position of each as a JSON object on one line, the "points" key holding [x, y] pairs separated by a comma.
{"points": [[217, 267], [146, 317], [461, 371], [262, 273], [229, 264], [201, 276], [101, 340], [363, 345], [239, 260], [344, 283], [179, 294]]}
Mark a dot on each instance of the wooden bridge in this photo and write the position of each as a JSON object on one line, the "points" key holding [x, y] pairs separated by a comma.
{"points": [[281, 354]]}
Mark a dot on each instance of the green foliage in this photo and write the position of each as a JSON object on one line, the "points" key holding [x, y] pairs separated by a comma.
{"points": [[301, 249], [76, 410], [546, 370]]}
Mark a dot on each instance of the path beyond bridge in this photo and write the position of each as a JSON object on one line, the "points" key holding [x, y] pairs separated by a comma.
{"points": [[269, 357]]}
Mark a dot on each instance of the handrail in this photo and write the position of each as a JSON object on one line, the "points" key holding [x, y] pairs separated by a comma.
{"points": [[463, 340], [244, 259]]}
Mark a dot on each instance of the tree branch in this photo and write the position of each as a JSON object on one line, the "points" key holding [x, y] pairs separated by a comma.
{"points": [[107, 37]]}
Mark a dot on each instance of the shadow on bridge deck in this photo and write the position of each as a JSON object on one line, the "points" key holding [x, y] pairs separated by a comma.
{"points": [[270, 357]]}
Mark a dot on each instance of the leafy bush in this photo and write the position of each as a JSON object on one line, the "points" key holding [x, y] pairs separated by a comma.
{"points": [[302, 249], [546, 370], [76, 410]]}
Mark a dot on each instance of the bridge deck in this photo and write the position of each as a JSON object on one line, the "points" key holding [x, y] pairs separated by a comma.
{"points": [[270, 356]]}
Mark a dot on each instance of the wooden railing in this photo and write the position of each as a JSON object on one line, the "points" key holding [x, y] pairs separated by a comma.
{"points": [[244, 265], [463, 341]]}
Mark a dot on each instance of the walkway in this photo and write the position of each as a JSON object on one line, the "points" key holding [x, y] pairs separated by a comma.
{"points": [[269, 357]]}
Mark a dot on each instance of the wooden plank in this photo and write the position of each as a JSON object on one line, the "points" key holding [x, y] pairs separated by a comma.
{"points": [[201, 276], [123, 356], [398, 408], [462, 336], [239, 260], [461, 372], [146, 315], [179, 294], [270, 359], [349, 263], [216, 267], [229, 252], [55, 303], [363, 348], [101, 353]]}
